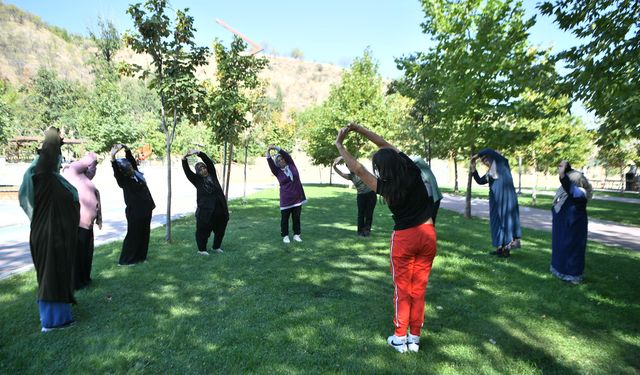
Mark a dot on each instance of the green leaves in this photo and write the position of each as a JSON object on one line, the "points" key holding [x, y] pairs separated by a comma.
{"points": [[605, 68]]}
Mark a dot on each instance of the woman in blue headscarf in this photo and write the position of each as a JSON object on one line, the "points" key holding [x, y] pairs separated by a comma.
{"points": [[51, 203], [504, 213], [569, 228]]}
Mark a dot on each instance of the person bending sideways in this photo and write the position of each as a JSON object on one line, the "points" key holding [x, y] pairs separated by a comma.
{"points": [[212, 213], [291, 191], [413, 240], [140, 205], [365, 199]]}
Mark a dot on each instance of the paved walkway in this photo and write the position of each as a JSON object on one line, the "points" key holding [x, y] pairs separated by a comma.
{"points": [[14, 233], [606, 232], [601, 195]]}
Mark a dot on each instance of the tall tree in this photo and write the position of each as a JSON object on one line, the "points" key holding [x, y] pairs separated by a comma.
{"points": [[227, 102], [359, 97], [483, 67], [605, 68], [175, 57]]}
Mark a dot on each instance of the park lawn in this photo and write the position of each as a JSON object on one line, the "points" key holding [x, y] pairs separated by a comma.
{"points": [[325, 305], [619, 212]]}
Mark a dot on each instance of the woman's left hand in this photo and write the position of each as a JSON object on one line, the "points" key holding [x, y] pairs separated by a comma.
{"points": [[342, 133]]}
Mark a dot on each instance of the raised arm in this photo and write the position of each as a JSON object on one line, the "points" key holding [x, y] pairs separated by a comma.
{"points": [[367, 177], [191, 176], [338, 171], [117, 173], [373, 137], [129, 156], [272, 164], [209, 163]]}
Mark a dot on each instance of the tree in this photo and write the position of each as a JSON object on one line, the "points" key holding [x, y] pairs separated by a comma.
{"points": [[175, 57], [482, 69], [108, 40], [359, 97], [605, 69], [297, 53], [618, 155], [226, 103]]}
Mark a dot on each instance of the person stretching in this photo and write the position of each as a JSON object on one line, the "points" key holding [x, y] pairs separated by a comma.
{"points": [[212, 213], [413, 240], [291, 192]]}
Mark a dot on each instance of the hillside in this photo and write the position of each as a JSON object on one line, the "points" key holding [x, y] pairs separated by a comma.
{"points": [[28, 44]]}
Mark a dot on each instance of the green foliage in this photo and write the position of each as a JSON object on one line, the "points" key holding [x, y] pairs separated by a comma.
{"points": [[605, 68], [227, 101], [6, 122], [107, 40], [559, 138], [619, 154], [44, 102], [358, 98], [480, 75], [106, 119]]}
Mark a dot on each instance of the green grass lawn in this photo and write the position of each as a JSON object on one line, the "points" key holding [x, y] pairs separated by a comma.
{"points": [[620, 212], [325, 305]]}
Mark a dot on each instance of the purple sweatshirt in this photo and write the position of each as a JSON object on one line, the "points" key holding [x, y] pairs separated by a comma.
{"points": [[291, 191]]}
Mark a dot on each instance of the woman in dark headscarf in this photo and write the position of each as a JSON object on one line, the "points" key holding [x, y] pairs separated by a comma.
{"points": [[569, 225], [139, 203], [212, 213], [51, 203], [413, 241], [504, 213]]}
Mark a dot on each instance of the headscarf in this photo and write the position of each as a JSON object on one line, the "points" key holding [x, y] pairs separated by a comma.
{"points": [[137, 175], [579, 180], [428, 178], [26, 195]]}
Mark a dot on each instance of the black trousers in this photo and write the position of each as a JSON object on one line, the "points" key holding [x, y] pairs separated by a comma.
{"points": [[366, 205], [210, 220], [136, 244], [284, 220], [84, 258]]}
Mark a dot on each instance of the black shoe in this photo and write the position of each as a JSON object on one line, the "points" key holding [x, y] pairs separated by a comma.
{"points": [[497, 252], [505, 254]]}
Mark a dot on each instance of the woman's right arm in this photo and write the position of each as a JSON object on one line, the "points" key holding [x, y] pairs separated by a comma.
{"points": [[338, 171]]}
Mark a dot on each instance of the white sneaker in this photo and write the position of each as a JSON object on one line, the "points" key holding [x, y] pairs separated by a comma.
{"points": [[285, 239], [413, 343], [297, 238], [398, 343], [219, 251], [203, 252]]}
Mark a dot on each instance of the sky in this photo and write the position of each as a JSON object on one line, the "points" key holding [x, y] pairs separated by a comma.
{"points": [[327, 31]]}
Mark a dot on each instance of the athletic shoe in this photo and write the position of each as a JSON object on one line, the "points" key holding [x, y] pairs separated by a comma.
{"points": [[297, 238], [66, 325], [413, 343], [398, 343], [203, 252], [217, 251], [285, 239]]}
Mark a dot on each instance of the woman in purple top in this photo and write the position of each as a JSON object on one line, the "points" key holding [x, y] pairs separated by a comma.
{"points": [[291, 192]]}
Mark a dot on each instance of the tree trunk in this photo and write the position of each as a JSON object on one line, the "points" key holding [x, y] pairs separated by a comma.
{"points": [[455, 175], [230, 157], [467, 201], [246, 148], [330, 176], [622, 180], [168, 220], [534, 198], [519, 175], [224, 165]]}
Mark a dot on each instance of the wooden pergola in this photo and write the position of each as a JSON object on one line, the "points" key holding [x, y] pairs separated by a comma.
{"points": [[21, 143]]}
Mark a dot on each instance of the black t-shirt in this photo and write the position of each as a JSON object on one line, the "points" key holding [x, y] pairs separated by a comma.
{"points": [[417, 206]]}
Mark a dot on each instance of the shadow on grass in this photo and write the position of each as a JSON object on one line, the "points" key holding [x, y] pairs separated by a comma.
{"points": [[324, 305]]}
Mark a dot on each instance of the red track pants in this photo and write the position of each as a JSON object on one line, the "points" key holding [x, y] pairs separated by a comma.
{"points": [[412, 253]]}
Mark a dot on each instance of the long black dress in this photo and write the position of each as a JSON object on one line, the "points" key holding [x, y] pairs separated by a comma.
{"points": [[140, 205], [52, 241]]}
